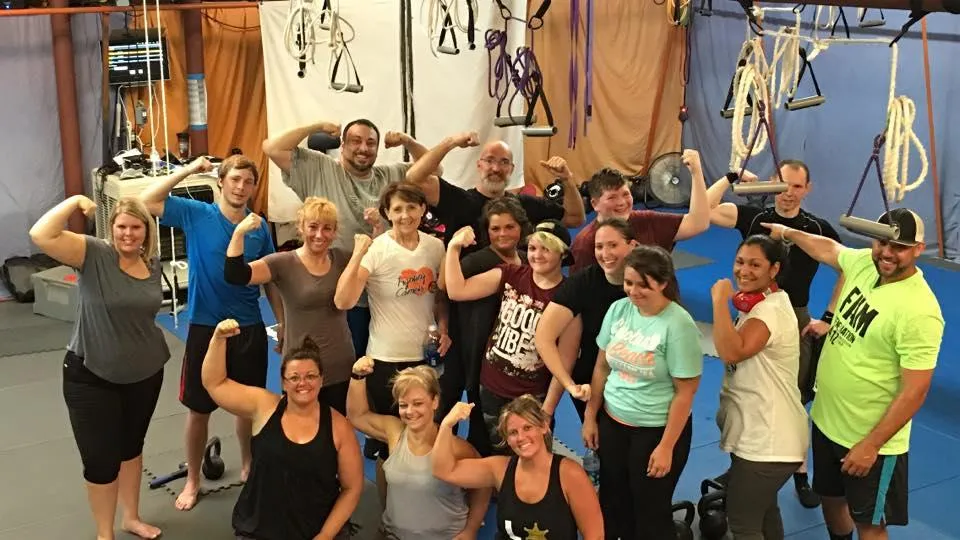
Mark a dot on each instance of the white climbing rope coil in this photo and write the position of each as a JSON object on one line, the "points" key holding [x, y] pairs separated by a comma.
{"points": [[310, 25], [899, 134], [750, 80]]}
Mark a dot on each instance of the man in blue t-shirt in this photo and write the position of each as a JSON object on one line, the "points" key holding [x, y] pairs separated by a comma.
{"points": [[208, 228]]}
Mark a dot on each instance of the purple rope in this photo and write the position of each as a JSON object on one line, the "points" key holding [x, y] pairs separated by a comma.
{"points": [[526, 72], [501, 68], [574, 71], [588, 74]]}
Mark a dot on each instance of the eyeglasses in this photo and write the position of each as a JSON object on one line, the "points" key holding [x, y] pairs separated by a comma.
{"points": [[309, 377], [493, 161]]}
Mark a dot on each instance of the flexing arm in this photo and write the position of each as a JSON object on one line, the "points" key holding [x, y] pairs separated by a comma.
{"points": [[280, 148], [478, 286], [478, 500], [423, 171], [734, 346], [50, 235], [238, 399], [821, 248], [156, 195], [411, 145], [697, 220], [354, 277], [724, 214], [350, 474], [235, 270], [574, 213], [384, 428], [448, 466]]}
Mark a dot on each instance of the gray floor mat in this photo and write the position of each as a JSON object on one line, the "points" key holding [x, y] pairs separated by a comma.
{"points": [[685, 259], [35, 338]]}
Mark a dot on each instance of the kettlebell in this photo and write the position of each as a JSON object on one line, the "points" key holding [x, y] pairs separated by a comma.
{"points": [[712, 510], [684, 527], [212, 466]]}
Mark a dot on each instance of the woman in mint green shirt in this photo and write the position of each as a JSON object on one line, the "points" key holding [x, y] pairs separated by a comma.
{"points": [[638, 417]]}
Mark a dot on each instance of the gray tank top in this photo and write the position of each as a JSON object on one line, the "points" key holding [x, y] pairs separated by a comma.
{"points": [[116, 332], [419, 506]]}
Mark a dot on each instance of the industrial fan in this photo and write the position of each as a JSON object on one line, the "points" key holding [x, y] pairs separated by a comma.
{"points": [[668, 181]]}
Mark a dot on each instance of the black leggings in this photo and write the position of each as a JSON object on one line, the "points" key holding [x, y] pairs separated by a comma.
{"points": [[633, 504], [109, 420]]}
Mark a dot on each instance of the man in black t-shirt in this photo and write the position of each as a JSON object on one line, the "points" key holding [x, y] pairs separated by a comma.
{"points": [[800, 269], [456, 207]]}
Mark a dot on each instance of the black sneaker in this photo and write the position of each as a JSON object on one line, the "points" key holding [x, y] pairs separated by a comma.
{"points": [[808, 498]]}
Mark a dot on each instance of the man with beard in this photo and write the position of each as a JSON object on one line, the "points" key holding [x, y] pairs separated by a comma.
{"points": [[456, 207], [874, 375], [796, 277], [208, 228]]}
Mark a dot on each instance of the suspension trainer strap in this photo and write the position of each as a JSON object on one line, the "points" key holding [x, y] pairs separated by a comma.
{"points": [[529, 81], [406, 71], [874, 160], [471, 25], [761, 110], [807, 66], [500, 73], [574, 72], [536, 20], [588, 70], [448, 26]]}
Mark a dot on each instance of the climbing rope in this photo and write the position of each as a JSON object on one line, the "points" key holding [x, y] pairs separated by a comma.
{"points": [[901, 113], [750, 80], [784, 69]]}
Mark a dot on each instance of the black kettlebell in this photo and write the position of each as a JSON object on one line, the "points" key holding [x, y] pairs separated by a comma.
{"points": [[712, 510], [684, 527], [212, 466]]}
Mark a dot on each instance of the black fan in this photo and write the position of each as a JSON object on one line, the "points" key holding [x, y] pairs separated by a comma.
{"points": [[669, 181]]}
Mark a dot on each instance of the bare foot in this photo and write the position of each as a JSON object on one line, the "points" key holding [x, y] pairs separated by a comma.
{"points": [[141, 529], [188, 497]]}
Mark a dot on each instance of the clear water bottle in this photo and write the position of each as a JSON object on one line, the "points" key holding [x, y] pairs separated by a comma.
{"points": [[431, 349], [591, 464]]}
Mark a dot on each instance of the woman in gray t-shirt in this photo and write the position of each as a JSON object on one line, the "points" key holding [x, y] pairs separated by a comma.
{"points": [[307, 280], [113, 369]]}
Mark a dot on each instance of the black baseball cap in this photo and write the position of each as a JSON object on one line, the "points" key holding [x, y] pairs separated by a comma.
{"points": [[908, 224], [558, 229]]}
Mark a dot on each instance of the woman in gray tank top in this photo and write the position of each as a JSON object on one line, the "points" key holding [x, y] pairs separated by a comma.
{"points": [[113, 369], [418, 505]]}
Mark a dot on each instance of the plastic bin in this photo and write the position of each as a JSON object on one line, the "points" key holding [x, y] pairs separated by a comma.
{"points": [[56, 294]]}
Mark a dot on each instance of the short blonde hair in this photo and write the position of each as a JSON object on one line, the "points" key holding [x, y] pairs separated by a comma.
{"points": [[530, 409], [549, 241], [134, 207], [317, 209], [415, 377]]}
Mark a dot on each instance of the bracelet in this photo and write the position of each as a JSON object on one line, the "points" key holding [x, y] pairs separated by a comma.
{"points": [[827, 317], [356, 377]]}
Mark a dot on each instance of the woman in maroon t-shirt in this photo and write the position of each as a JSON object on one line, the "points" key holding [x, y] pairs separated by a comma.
{"points": [[511, 366]]}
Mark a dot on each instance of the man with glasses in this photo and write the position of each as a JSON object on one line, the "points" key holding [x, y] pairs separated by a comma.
{"points": [[456, 207]]}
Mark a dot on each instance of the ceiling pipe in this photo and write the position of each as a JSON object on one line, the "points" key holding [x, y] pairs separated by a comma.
{"points": [[123, 9], [932, 6]]}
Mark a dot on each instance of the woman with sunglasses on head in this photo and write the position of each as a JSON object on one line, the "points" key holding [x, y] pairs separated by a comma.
{"points": [[638, 417], [511, 366], [586, 294], [763, 424], [307, 280], [540, 494], [418, 505], [307, 473]]}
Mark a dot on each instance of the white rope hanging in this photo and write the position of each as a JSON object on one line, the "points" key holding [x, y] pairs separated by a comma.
{"points": [[437, 13], [749, 80], [785, 63], [318, 26], [901, 113]]}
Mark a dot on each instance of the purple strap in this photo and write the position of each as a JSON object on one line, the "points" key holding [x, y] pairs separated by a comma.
{"points": [[501, 69], [588, 73], [526, 70], [574, 71]]}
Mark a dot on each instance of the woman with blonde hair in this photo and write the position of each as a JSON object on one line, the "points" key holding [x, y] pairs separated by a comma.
{"points": [[511, 364], [113, 368], [537, 491], [418, 506], [307, 280]]}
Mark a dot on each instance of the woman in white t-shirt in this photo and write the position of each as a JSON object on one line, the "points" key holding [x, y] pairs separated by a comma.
{"points": [[400, 270], [762, 422]]}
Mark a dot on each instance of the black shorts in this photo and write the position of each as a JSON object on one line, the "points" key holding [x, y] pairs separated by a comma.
{"points": [[246, 363], [380, 395], [880, 498]]}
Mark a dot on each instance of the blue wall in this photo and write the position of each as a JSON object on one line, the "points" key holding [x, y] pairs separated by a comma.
{"points": [[835, 139]]}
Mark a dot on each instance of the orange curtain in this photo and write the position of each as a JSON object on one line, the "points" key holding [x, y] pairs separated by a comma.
{"points": [[635, 51], [236, 94]]}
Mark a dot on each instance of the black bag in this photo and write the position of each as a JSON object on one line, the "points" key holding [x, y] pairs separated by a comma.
{"points": [[16, 273]]}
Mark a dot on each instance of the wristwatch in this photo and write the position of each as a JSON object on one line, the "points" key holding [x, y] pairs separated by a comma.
{"points": [[357, 377]]}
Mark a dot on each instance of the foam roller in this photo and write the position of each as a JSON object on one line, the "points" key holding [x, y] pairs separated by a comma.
{"points": [[540, 131], [872, 229], [804, 103], [350, 87], [759, 188], [510, 121]]}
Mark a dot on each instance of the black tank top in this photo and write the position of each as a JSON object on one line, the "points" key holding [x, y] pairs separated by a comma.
{"points": [[291, 487], [550, 518]]}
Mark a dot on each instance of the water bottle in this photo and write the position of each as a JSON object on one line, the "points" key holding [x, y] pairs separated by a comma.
{"points": [[431, 349], [591, 464]]}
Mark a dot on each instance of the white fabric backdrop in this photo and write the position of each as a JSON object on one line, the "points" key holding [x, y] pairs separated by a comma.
{"points": [[32, 182], [450, 92]]}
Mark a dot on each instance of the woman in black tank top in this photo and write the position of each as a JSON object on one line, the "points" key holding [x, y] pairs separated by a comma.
{"points": [[540, 494], [307, 474]]}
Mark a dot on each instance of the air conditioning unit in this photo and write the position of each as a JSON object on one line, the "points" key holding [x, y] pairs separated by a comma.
{"points": [[111, 188]]}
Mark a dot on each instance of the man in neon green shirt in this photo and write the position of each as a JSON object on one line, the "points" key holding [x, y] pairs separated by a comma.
{"points": [[874, 374]]}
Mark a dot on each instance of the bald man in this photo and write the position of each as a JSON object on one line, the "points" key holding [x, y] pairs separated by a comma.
{"points": [[456, 207]]}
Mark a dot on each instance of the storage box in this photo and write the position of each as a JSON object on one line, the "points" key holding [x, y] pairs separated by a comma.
{"points": [[56, 294]]}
